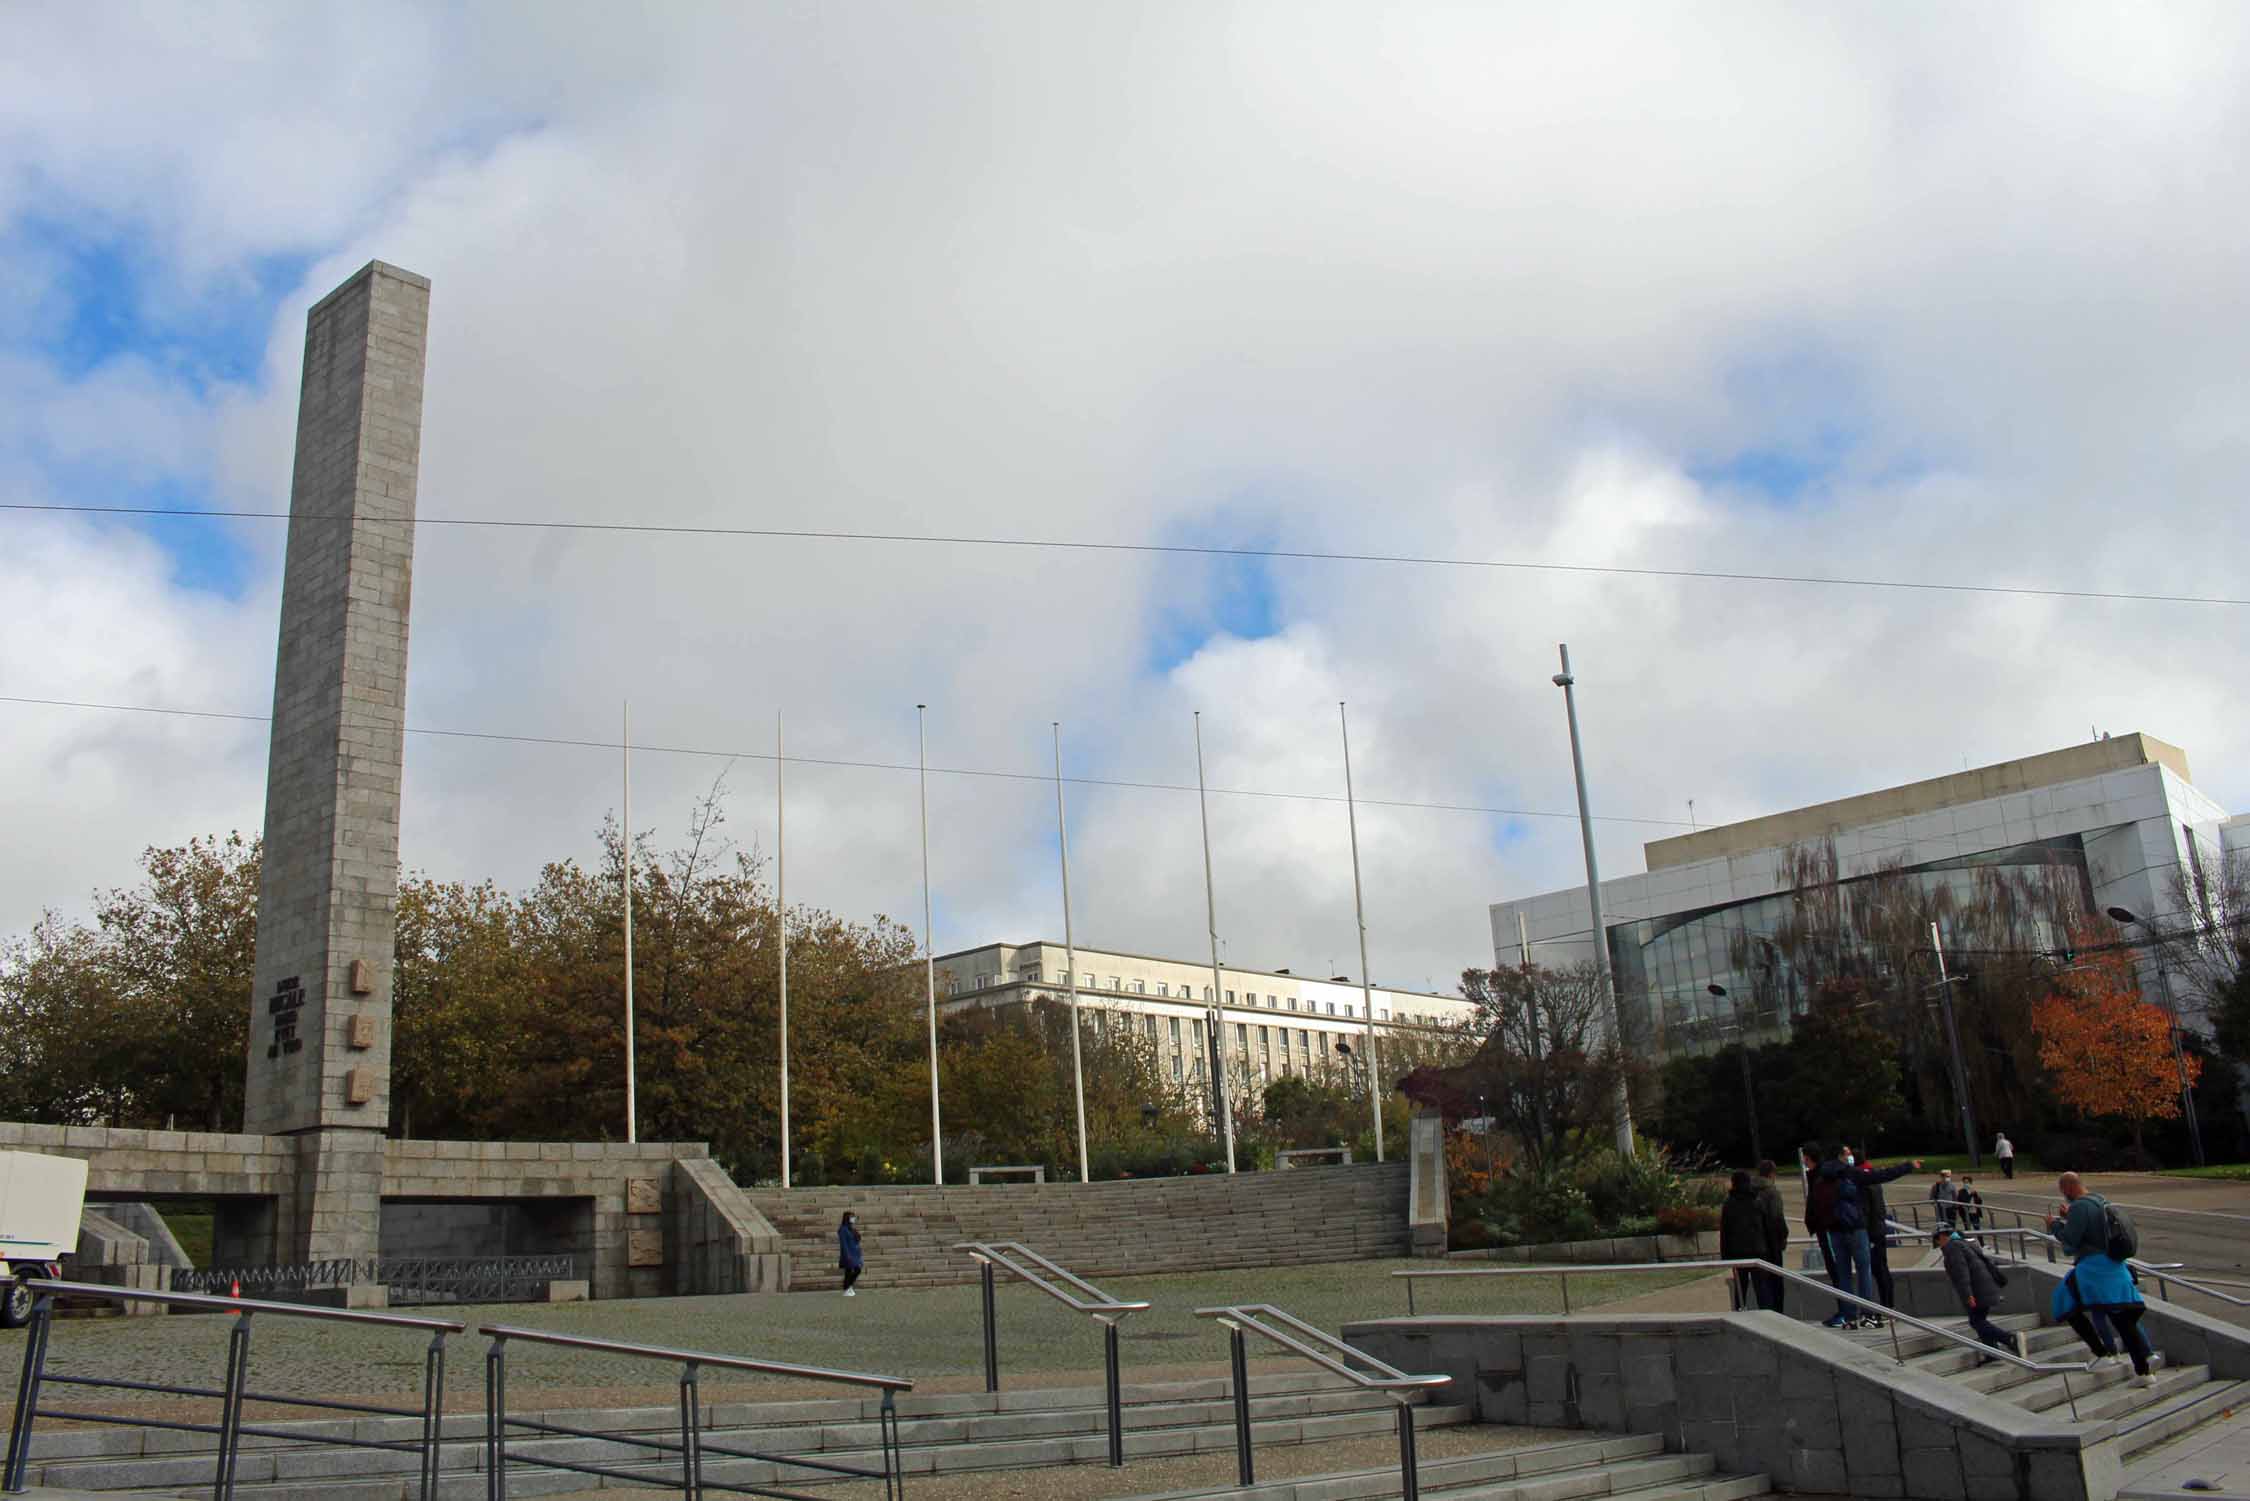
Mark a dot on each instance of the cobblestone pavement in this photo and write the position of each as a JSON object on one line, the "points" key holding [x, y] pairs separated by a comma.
{"points": [[930, 1334]]}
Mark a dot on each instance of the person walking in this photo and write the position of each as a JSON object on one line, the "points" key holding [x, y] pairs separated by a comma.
{"points": [[1968, 1205], [1977, 1283], [2005, 1150], [1748, 1223], [1777, 1226], [1942, 1196], [2100, 1286], [848, 1254]]}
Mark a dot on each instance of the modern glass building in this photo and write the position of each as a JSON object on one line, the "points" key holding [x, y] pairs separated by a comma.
{"points": [[2113, 823]]}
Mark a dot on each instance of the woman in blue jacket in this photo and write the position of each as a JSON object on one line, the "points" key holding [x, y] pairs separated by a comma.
{"points": [[847, 1251]]}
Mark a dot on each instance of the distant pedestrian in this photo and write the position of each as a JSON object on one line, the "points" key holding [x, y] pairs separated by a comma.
{"points": [[1752, 1228], [2100, 1285], [848, 1254], [2005, 1150], [1977, 1283], [1942, 1195], [1968, 1205]]}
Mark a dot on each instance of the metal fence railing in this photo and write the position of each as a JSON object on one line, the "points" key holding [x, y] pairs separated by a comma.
{"points": [[1331, 1354], [692, 1446], [35, 1379], [410, 1279], [1072, 1291]]}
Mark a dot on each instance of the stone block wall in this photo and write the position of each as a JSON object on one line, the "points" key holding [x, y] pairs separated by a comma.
{"points": [[717, 1241], [1813, 1410], [1100, 1229]]}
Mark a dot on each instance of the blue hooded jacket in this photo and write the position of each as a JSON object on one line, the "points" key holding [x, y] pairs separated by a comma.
{"points": [[1851, 1183]]}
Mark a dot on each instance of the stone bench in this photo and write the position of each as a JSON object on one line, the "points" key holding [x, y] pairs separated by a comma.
{"points": [[1030, 1172], [1300, 1156]]}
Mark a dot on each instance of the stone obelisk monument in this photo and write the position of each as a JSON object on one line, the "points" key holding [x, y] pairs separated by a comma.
{"points": [[320, 1044]]}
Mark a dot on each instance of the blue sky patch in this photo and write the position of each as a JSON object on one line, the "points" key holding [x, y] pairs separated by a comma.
{"points": [[1200, 598]]}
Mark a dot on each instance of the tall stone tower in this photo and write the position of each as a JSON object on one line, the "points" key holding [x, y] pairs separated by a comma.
{"points": [[320, 1044]]}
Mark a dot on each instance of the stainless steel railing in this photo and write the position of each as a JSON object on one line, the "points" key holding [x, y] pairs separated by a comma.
{"points": [[1331, 1354], [35, 1378], [692, 1446], [1072, 1291]]}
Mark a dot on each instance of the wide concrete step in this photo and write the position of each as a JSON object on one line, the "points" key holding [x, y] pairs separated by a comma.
{"points": [[2180, 1416], [1634, 1466]]}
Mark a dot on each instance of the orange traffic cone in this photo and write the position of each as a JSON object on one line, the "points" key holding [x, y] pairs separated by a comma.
{"points": [[234, 1290]]}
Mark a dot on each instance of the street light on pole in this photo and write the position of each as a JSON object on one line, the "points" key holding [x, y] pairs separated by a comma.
{"points": [[1953, 1041], [1749, 1095], [2172, 1009], [1567, 682]]}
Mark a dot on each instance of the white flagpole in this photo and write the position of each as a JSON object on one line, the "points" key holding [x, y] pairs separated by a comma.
{"points": [[1213, 1014], [632, 1116], [1070, 974], [1359, 910], [929, 951], [781, 922]]}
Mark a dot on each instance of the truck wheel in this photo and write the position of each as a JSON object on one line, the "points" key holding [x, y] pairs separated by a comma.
{"points": [[15, 1306]]}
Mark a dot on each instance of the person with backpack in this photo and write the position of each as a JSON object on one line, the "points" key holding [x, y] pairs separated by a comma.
{"points": [[1841, 1187], [1977, 1283], [2101, 1239]]}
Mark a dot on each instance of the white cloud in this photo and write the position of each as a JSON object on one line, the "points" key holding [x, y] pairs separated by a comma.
{"points": [[1482, 282]]}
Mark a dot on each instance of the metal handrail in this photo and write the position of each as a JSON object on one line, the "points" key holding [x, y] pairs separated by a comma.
{"points": [[1099, 1304], [230, 1428], [2165, 1272], [1105, 1310], [1239, 1319], [691, 1446]]}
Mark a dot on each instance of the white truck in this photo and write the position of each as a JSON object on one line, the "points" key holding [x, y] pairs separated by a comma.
{"points": [[41, 1198]]}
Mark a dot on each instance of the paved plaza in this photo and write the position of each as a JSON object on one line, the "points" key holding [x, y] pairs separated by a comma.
{"points": [[929, 1334]]}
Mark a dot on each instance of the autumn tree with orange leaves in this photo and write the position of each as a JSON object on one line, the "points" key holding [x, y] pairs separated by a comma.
{"points": [[2106, 1050]]}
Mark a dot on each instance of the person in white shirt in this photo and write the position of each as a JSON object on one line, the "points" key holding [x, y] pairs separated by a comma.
{"points": [[2005, 1150]]}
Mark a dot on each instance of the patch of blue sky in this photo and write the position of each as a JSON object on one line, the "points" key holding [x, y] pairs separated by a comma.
{"points": [[1199, 599], [206, 553], [1798, 420], [108, 281]]}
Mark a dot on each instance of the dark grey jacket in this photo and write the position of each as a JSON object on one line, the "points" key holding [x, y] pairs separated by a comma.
{"points": [[1971, 1273]]}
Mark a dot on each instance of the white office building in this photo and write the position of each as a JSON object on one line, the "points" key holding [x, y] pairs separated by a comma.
{"points": [[1277, 1023], [2120, 812]]}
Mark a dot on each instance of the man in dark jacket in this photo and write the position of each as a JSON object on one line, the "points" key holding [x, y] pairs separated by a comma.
{"points": [[1750, 1223], [1878, 1239], [1848, 1252], [1976, 1282]]}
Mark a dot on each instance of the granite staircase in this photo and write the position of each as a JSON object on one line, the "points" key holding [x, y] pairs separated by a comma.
{"points": [[1633, 1468], [1134, 1226], [939, 1433], [2181, 1400]]}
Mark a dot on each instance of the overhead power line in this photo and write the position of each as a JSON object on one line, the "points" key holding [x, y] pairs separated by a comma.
{"points": [[1182, 549], [1042, 778]]}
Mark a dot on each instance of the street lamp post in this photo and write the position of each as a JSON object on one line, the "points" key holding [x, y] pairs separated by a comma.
{"points": [[1567, 683], [2172, 1010], [1953, 1041], [1749, 1095]]}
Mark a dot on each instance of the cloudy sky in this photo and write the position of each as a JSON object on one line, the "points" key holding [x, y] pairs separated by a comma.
{"points": [[1872, 291]]}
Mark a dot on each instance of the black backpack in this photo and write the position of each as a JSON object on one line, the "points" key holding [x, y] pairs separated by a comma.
{"points": [[2117, 1226]]}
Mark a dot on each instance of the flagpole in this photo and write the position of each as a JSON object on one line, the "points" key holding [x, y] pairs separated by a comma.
{"points": [[1070, 960], [1215, 1016], [632, 1115], [929, 951], [781, 922], [1359, 910]]}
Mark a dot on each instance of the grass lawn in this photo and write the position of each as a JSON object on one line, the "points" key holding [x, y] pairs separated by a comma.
{"points": [[2225, 1172]]}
